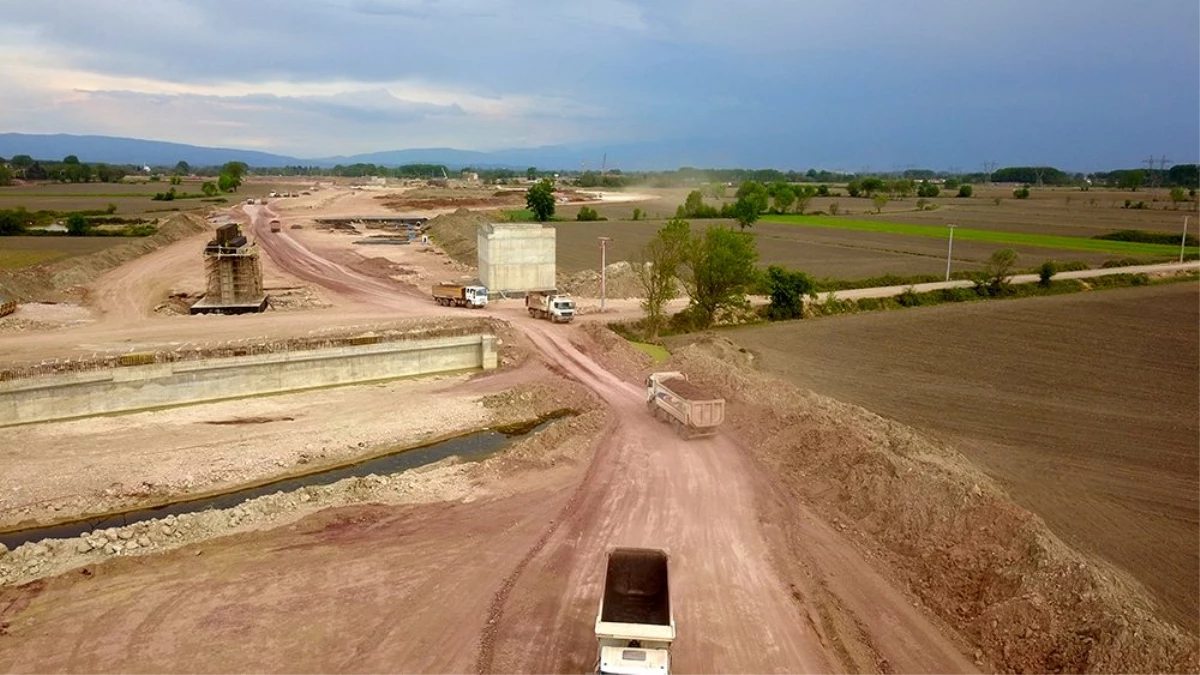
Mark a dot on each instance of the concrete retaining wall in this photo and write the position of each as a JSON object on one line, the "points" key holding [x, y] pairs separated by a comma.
{"points": [[164, 384], [517, 257]]}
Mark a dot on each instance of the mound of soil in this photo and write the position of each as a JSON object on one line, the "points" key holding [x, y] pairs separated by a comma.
{"points": [[458, 234], [622, 282], [989, 568], [65, 279]]}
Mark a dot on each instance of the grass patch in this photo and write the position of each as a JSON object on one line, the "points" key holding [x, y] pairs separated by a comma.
{"points": [[11, 260], [986, 236], [657, 352], [523, 216]]}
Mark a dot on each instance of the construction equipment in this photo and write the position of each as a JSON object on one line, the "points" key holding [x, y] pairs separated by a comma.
{"points": [[459, 295], [635, 625], [693, 412], [275, 226], [550, 305]]}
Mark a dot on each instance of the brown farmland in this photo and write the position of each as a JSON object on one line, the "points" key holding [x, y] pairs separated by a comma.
{"points": [[1085, 407], [23, 251], [847, 254]]}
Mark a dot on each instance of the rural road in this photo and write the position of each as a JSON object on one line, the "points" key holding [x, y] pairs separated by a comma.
{"points": [[890, 291]]}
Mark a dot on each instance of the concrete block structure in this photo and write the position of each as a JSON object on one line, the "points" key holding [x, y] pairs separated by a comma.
{"points": [[516, 257], [153, 385], [235, 284]]}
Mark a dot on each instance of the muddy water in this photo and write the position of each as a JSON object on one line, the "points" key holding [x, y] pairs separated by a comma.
{"points": [[473, 447]]}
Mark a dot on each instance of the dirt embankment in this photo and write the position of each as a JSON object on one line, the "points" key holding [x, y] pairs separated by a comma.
{"points": [[458, 234], [67, 279], [992, 570]]}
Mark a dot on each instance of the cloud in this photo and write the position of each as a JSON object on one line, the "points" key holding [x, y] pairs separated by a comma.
{"points": [[816, 78]]}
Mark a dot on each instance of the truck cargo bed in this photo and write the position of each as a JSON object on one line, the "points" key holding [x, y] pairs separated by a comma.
{"points": [[635, 588], [688, 390]]}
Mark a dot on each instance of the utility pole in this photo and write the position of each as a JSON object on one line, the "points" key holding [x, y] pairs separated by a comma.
{"points": [[949, 250], [603, 269], [1183, 240]]}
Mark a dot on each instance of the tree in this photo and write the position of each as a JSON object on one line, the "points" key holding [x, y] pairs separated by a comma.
{"points": [[965, 190], [209, 189], [997, 273], [788, 289], [901, 188], [540, 200], [693, 203], [227, 183], [871, 185], [757, 195], [531, 173], [235, 169], [77, 225], [880, 201], [745, 211], [784, 197], [70, 159], [182, 168], [21, 161], [804, 196], [657, 272], [6, 175], [1132, 180], [719, 268], [1046, 272], [853, 188], [176, 180], [1177, 193], [927, 189], [587, 213], [10, 224]]}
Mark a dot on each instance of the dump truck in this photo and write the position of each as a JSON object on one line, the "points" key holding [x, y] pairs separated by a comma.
{"points": [[460, 295], [693, 412], [550, 305], [275, 226], [635, 625]]}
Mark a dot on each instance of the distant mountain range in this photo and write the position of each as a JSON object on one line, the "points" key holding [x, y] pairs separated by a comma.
{"points": [[116, 150]]}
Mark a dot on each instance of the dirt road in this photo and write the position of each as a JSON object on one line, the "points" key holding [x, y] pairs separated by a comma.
{"points": [[502, 585]]}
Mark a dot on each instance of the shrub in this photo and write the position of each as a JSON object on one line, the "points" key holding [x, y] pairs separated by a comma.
{"points": [[922, 203], [788, 289], [1021, 193], [637, 213], [909, 298], [997, 200], [833, 208], [965, 190], [822, 190], [77, 225], [1046, 272], [587, 214], [111, 208]]}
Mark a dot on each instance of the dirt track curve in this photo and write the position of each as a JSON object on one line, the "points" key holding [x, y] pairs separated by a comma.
{"points": [[504, 584]]}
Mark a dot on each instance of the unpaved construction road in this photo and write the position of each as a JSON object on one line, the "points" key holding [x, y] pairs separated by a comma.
{"points": [[504, 584]]}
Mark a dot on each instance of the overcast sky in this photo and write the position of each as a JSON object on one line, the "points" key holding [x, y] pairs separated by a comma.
{"points": [[1082, 84]]}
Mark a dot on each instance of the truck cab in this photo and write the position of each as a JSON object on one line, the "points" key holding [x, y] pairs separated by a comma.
{"points": [[562, 308], [476, 296]]}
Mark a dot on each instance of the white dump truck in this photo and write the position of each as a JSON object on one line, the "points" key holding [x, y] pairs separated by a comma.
{"points": [[635, 625], [550, 305], [460, 295], [691, 410]]}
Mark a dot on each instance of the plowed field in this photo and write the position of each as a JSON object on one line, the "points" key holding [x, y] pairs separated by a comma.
{"points": [[1085, 407]]}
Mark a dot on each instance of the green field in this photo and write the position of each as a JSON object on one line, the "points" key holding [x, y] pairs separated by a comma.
{"points": [[987, 236]]}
